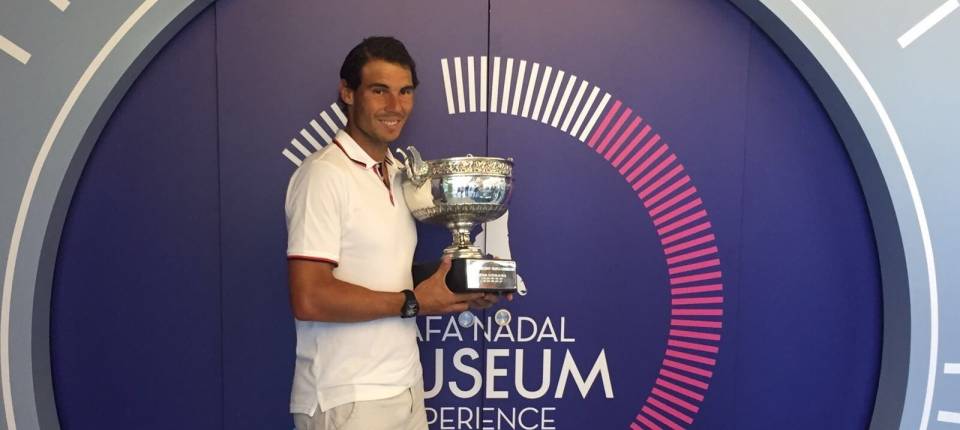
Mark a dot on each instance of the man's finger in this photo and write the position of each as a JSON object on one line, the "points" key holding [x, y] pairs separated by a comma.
{"points": [[481, 304], [458, 307], [443, 268], [468, 297]]}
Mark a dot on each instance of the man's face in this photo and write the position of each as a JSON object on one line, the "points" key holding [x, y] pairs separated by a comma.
{"points": [[379, 107]]}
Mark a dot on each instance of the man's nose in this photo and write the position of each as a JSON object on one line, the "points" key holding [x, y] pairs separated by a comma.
{"points": [[392, 103]]}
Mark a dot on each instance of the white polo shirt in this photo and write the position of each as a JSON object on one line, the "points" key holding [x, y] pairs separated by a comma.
{"points": [[340, 211]]}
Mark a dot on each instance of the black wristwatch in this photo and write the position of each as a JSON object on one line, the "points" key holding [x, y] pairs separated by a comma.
{"points": [[410, 307]]}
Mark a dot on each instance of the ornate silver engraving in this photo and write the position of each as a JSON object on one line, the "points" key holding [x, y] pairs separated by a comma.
{"points": [[471, 165]]}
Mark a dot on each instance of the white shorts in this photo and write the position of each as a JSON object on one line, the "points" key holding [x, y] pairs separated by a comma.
{"points": [[404, 411]]}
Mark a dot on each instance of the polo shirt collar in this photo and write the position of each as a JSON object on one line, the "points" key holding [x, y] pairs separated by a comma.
{"points": [[355, 153]]}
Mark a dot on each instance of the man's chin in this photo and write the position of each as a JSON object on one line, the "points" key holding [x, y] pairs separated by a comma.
{"points": [[389, 138]]}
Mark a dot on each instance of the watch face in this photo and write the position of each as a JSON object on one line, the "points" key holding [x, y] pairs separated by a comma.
{"points": [[410, 306], [413, 308]]}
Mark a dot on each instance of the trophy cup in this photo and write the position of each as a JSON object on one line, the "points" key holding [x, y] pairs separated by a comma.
{"points": [[460, 193]]}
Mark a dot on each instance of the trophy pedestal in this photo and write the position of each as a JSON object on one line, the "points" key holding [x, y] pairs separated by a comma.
{"points": [[473, 275]]}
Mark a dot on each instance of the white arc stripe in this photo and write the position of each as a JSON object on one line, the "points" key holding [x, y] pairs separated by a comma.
{"points": [[293, 158], [530, 87], [471, 85], [914, 195], [584, 111], [927, 23], [483, 83], [574, 105], [61, 4], [446, 86], [593, 119], [519, 87], [339, 112], [303, 149], [309, 137], [495, 85], [948, 417], [316, 127], [458, 75], [563, 100], [329, 121], [951, 368], [553, 97], [506, 86], [27, 199], [14, 50], [543, 90]]}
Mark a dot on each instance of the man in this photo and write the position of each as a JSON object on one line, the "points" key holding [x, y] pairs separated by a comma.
{"points": [[350, 249]]}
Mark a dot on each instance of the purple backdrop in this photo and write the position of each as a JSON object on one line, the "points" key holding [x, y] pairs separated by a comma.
{"points": [[170, 304]]}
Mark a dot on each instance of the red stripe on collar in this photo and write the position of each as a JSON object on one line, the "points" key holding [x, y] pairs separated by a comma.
{"points": [[386, 158], [348, 155]]}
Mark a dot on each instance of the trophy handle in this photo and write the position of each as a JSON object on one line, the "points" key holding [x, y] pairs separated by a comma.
{"points": [[413, 165]]}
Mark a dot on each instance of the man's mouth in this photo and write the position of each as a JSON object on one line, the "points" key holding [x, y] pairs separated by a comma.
{"points": [[390, 122]]}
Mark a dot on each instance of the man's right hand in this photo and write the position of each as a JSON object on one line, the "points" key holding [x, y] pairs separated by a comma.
{"points": [[435, 298]]}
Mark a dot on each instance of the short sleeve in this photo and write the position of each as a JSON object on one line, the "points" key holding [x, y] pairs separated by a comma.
{"points": [[314, 207]]}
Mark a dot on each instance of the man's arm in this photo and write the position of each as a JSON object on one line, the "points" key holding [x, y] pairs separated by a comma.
{"points": [[317, 295]]}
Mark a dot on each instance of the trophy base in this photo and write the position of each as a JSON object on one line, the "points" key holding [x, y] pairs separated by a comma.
{"points": [[473, 275]]}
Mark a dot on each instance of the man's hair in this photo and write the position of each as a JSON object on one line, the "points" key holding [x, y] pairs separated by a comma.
{"points": [[384, 48]]}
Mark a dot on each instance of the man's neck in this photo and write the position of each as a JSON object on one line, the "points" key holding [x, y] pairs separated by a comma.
{"points": [[376, 150]]}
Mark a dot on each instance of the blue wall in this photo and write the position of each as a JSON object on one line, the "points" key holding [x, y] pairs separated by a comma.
{"points": [[170, 306]]}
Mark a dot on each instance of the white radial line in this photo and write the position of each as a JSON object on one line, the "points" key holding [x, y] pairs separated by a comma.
{"points": [[553, 97], [27, 199], [948, 417], [329, 121], [531, 85], [61, 4], [593, 118], [446, 85], [316, 127], [584, 111], [495, 84], [483, 83], [563, 100], [543, 90], [292, 157], [951, 368], [458, 74], [574, 105], [310, 139], [336, 109], [927, 23], [507, 79], [519, 87], [14, 50], [914, 195], [303, 149], [471, 84]]}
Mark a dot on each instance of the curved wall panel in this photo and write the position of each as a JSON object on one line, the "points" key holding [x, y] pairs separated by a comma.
{"points": [[176, 229]]}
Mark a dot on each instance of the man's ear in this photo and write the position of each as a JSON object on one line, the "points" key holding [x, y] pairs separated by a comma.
{"points": [[346, 93]]}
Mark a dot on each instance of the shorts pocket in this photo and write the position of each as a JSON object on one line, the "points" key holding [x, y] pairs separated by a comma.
{"points": [[341, 415]]}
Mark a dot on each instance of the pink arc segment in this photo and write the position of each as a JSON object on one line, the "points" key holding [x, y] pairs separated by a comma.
{"points": [[693, 265], [692, 258]]}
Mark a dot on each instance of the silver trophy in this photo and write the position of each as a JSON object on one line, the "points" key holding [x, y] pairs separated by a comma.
{"points": [[460, 193]]}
